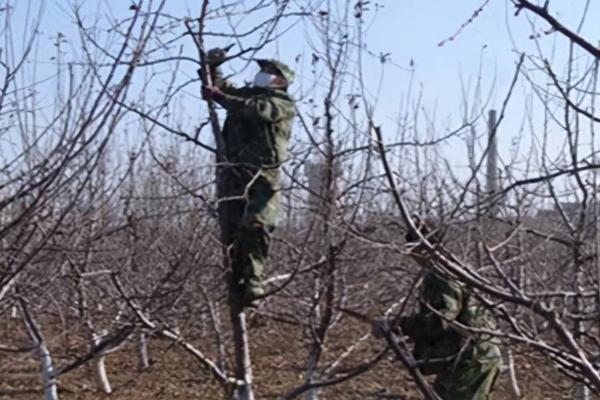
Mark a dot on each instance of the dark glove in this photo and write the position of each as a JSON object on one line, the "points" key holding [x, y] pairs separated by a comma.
{"points": [[212, 93]]}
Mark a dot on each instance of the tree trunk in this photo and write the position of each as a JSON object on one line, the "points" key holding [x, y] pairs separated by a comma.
{"points": [[50, 388], [311, 394], [143, 360], [243, 367], [100, 367], [514, 383], [35, 334]]}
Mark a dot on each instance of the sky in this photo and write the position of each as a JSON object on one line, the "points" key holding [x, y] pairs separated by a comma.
{"points": [[413, 28], [409, 30]]}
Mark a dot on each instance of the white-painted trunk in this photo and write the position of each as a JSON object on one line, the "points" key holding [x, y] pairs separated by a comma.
{"points": [[35, 334], [143, 360], [514, 383], [50, 388], [582, 392], [101, 377], [242, 353], [311, 394], [309, 376], [100, 369]]}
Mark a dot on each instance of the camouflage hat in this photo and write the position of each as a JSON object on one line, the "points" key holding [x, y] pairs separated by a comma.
{"points": [[283, 69]]}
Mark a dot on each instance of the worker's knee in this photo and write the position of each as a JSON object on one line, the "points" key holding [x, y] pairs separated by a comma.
{"points": [[252, 235], [255, 226]]}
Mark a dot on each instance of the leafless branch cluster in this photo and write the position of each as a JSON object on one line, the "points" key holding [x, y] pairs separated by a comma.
{"points": [[108, 206]]}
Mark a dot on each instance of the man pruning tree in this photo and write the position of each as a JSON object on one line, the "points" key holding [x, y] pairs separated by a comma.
{"points": [[465, 364], [255, 135]]}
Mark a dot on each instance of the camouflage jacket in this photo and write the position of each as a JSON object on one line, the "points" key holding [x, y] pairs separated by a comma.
{"points": [[434, 335], [258, 124]]}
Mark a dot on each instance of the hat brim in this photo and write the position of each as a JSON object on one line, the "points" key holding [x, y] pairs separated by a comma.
{"points": [[262, 62]]}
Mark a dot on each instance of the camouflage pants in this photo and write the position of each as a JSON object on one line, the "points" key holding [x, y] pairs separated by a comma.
{"points": [[472, 378], [248, 207]]}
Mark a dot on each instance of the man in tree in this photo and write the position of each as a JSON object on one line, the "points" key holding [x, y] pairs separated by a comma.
{"points": [[255, 136], [465, 364]]}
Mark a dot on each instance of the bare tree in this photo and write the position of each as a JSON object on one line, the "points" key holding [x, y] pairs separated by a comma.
{"points": [[110, 196]]}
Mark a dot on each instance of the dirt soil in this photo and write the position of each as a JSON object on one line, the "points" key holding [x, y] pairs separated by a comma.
{"points": [[277, 354]]}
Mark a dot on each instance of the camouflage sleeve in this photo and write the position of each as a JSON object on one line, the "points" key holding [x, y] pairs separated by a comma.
{"points": [[440, 295], [270, 109], [410, 325]]}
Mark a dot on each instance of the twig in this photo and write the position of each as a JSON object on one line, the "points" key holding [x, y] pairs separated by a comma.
{"points": [[220, 375], [556, 25]]}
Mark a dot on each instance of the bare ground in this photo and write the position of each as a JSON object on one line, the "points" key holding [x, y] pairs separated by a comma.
{"points": [[277, 354]]}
